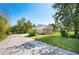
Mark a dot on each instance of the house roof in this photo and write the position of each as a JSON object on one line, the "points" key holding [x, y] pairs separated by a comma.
{"points": [[41, 26]]}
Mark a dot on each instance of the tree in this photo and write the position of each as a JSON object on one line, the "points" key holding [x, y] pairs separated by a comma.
{"points": [[3, 24], [3, 27], [76, 19], [22, 26], [29, 24], [34, 26], [66, 16], [54, 27]]}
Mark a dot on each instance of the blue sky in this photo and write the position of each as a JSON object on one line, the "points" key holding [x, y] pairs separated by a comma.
{"points": [[36, 13]]}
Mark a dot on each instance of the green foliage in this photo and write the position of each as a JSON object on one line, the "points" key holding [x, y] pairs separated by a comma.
{"points": [[2, 36], [64, 33], [8, 33], [3, 27], [3, 24], [31, 32], [21, 27], [54, 26], [66, 43], [34, 26], [66, 15]]}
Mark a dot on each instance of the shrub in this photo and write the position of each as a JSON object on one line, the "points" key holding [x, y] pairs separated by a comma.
{"points": [[32, 32], [2, 36], [8, 33], [64, 33]]}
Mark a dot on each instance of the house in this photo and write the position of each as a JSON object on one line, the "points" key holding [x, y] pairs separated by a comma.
{"points": [[44, 29]]}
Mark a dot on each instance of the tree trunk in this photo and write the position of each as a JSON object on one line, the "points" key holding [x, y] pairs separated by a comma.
{"points": [[76, 31], [76, 23]]}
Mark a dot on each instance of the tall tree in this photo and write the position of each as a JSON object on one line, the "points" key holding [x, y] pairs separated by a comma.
{"points": [[3, 24], [76, 19], [29, 24], [66, 16], [22, 26]]}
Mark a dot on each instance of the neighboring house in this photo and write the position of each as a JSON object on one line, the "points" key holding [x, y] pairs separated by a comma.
{"points": [[44, 29]]}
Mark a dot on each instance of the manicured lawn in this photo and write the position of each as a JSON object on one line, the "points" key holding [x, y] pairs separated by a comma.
{"points": [[57, 40]]}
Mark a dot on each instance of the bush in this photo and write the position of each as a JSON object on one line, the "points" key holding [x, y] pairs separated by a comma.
{"points": [[8, 33], [2, 36], [32, 32], [64, 33]]}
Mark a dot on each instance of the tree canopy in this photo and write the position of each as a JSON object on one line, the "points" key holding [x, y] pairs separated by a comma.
{"points": [[3, 24], [22, 26], [67, 16]]}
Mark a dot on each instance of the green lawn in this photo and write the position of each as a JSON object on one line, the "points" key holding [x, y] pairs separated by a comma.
{"points": [[57, 40]]}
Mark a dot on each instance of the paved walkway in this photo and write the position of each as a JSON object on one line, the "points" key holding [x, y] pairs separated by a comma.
{"points": [[19, 45]]}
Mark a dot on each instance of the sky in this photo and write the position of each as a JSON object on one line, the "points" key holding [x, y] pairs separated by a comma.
{"points": [[37, 13]]}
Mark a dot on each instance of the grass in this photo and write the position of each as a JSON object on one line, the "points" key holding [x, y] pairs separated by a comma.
{"points": [[57, 40], [38, 36]]}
